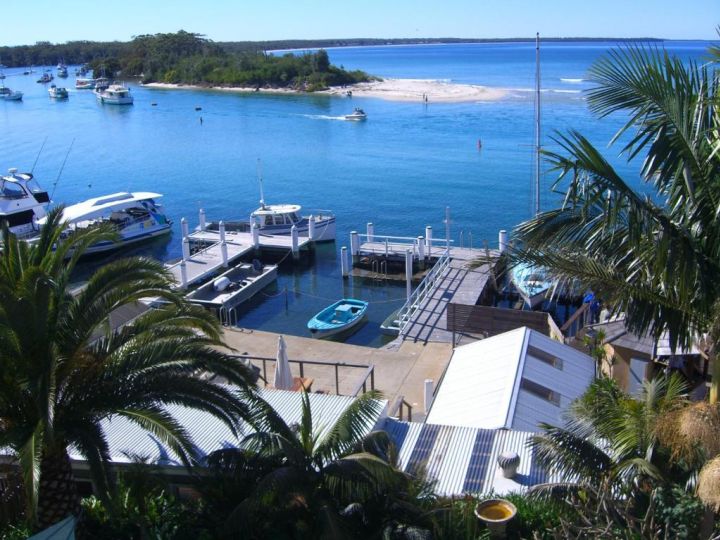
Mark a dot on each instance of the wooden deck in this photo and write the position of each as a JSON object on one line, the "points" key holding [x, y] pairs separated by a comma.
{"points": [[460, 285], [267, 241], [206, 261]]}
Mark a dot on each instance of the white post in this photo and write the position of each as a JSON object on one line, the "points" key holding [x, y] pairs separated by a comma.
{"points": [[387, 248], [344, 266], [447, 226], [184, 227], [408, 272], [255, 235], [183, 275], [502, 240], [295, 243], [221, 228], [370, 232], [202, 219], [311, 228], [428, 394], [428, 240], [185, 248], [224, 253], [355, 246], [421, 251]]}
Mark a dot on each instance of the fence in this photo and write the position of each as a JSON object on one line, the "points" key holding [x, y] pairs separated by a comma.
{"points": [[491, 321]]}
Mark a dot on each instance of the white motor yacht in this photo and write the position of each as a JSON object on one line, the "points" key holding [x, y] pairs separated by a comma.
{"points": [[10, 95], [115, 94], [57, 92], [23, 203], [135, 216]]}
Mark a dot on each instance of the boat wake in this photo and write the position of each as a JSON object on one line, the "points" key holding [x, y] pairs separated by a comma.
{"points": [[323, 117]]}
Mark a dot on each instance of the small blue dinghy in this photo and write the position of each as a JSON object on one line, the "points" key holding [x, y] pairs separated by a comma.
{"points": [[338, 317]]}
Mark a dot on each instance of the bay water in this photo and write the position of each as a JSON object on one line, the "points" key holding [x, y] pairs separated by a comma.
{"points": [[399, 169]]}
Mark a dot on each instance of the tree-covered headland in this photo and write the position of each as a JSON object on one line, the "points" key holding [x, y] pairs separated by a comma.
{"points": [[189, 58]]}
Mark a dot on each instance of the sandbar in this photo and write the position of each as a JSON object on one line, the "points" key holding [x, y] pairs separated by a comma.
{"points": [[416, 90]]}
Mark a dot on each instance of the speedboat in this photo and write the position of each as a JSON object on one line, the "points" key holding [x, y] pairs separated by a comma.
{"points": [[338, 317], [23, 203], [46, 78], [84, 84], [57, 92], [2, 75], [135, 216], [10, 95], [357, 114], [234, 286], [115, 94], [62, 71], [533, 283]]}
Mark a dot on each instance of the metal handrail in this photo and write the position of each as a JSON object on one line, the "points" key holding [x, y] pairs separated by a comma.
{"points": [[426, 288]]}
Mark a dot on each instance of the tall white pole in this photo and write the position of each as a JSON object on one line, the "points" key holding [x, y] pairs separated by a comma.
{"points": [[408, 272], [537, 123], [447, 226], [202, 219]]}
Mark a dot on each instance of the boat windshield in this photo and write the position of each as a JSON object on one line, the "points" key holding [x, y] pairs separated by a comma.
{"points": [[11, 190]]}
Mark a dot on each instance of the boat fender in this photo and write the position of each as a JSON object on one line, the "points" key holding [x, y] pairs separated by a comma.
{"points": [[221, 283]]}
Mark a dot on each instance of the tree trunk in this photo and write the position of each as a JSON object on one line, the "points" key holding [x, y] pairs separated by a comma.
{"points": [[58, 497]]}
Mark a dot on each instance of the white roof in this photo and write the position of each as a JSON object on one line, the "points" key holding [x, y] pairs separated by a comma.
{"points": [[210, 434], [103, 206], [486, 382], [277, 209]]}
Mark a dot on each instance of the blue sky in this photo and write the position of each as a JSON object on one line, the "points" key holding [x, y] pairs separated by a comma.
{"points": [[28, 21]]}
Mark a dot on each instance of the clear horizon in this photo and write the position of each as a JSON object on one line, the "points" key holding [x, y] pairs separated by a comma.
{"points": [[26, 23]]}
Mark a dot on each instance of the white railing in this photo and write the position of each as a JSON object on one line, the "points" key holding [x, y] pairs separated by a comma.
{"points": [[399, 244], [423, 291]]}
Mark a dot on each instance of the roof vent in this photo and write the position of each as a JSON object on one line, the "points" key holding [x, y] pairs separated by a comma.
{"points": [[509, 463]]}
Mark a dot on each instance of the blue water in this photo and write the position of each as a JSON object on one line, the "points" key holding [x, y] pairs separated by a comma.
{"points": [[399, 169]]}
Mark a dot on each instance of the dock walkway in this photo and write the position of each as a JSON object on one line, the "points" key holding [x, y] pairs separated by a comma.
{"points": [[206, 261], [267, 241]]}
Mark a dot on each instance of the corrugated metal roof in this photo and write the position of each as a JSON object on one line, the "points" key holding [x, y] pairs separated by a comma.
{"points": [[482, 387], [464, 460], [209, 433]]}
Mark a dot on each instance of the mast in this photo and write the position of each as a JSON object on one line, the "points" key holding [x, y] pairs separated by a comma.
{"points": [[260, 180], [537, 123]]}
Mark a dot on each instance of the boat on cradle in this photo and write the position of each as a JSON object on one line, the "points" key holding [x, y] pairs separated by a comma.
{"points": [[234, 286], [533, 283], [135, 216], [84, 84], [338, 317], [10, 95], [115, 94], [46, 78], [57, 92], [23, 203], [357, 114]]}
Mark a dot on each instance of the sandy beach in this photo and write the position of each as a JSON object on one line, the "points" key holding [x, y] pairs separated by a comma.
{"points": [[419, 90]]}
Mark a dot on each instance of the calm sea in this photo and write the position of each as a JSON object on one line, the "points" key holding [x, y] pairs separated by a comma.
{"points": [[399, 170]]}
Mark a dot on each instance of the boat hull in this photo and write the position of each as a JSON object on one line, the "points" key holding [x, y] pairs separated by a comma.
{"points": [[247, 283], [531, 284], [102, 247], [340, 317]]}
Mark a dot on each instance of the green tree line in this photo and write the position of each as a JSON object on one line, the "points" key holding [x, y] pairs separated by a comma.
{"points": [[185, 57]]}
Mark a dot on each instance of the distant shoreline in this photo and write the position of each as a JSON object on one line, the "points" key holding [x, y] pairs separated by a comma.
{"points": [[407, 90]]}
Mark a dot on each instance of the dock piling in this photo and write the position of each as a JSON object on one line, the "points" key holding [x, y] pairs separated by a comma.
{"points": [[370, 232], [421, 251], [311, 228], [502, 240], [184, 228], [447, 227], [344, 266], [183, 275], [428, 240], [221, 229], [224, 253], [203, 225], [408, 272], [255, 236], [355, 246], [295, 243], [185, 248]]}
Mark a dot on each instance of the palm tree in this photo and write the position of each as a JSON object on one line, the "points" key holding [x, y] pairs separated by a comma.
{"points": [[64, 369], [315, 481], [652, 253], [610, 449]]}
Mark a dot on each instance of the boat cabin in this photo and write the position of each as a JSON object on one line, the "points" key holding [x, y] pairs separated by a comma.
{"points": [[277, 214]]}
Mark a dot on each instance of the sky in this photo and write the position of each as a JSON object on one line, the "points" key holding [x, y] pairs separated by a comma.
{"points": [[29, 21]]}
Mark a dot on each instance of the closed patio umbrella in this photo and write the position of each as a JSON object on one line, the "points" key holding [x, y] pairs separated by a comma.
{"points": [[283, 378]]}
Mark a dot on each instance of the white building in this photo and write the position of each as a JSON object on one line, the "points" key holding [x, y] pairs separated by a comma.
{"points": [[514, 380]]}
